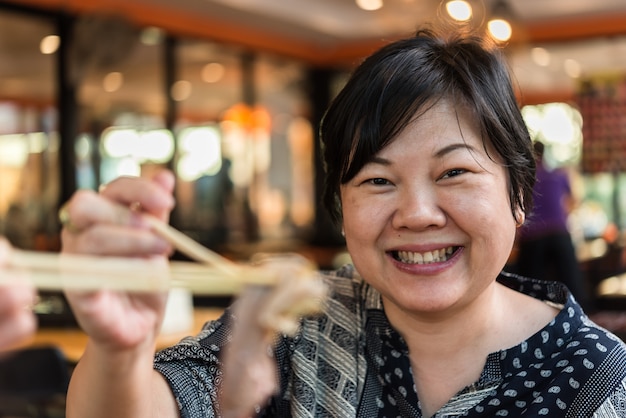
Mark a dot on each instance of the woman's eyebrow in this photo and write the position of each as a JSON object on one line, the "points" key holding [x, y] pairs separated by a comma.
{"points": [[438, 154], [379, 160], [453, 147]]}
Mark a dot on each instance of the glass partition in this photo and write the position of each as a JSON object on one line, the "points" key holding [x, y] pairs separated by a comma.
{"points": [[207, 83], [29, 180], [284, 194], [244, 146], [121, 99]]}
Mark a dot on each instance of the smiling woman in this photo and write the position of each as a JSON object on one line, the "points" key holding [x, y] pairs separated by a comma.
{"points": [[427, 147]]}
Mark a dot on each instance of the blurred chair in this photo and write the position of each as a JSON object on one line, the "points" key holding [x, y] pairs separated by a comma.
{"points": [[33, 383]]}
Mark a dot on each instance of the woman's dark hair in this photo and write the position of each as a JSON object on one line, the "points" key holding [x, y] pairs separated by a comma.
{"points": [[386, 92]]}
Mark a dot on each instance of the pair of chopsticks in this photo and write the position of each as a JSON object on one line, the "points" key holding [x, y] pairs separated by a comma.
{"points": [[224, 268], [191, 248], [213, 274], [52, 271]]}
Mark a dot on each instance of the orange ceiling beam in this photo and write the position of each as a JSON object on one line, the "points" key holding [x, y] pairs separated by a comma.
{"points": [[548, 96], [181, 23], [577, 28]]}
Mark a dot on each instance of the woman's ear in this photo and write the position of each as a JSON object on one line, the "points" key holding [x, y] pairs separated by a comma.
{"points": [[520, 217]]}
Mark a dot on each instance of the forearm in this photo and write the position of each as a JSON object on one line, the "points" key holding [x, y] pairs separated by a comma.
{"points": [[114, 384]]}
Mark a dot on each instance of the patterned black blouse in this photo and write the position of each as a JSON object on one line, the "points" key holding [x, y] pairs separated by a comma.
{"points": [[350, 362]]}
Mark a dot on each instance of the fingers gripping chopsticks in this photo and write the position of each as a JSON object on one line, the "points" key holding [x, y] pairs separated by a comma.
{"points": [[298, 288]]}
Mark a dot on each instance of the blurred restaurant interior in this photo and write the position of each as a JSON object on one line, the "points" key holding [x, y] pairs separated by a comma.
{"points": [[229, 94]]}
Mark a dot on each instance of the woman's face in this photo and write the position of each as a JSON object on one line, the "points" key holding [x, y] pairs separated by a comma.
{"points": [[428, 222]]}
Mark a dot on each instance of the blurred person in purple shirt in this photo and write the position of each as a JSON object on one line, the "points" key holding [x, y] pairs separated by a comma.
{"points": [[546, 250]]}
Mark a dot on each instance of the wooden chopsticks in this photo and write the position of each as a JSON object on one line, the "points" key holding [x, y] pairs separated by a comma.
{"points": [[54, 271], [191, 248], [212, 275]]}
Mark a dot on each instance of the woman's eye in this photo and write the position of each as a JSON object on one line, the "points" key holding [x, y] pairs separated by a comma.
{"points": [[378, 181], [453, 173]]}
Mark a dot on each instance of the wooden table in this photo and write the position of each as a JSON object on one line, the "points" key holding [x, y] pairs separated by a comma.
{"points": [[72, 341]]}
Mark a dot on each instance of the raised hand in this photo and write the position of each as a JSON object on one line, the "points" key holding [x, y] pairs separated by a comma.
{"points": [[262, 312], [101, 224]]}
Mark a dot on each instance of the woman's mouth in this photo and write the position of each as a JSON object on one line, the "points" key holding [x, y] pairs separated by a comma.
{"points": [[428, 257]]}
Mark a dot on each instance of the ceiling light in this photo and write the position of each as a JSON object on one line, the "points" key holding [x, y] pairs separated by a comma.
{"points": [[112, 81], [459, 10], [212, 72], [572, 68], [500, 29], [49, 44], [499, 25], [181, 90], [369, 5], [540, 56]]}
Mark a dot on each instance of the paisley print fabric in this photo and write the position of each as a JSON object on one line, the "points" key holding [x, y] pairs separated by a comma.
{"points": [[350, 362]]}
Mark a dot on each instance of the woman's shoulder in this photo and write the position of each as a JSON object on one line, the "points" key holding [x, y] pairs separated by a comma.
{"points": [[593, 335], [592, 350]]}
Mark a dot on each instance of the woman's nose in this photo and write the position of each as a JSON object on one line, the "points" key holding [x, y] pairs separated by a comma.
{"points": [[418, 208]]}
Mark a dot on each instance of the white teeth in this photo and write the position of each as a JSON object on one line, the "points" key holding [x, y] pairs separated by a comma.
{"points": [[425, 258]]}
